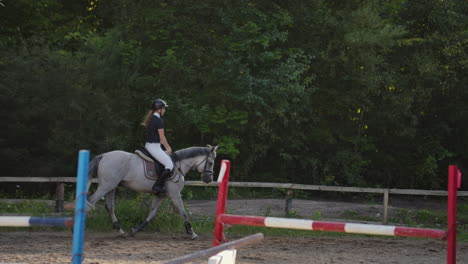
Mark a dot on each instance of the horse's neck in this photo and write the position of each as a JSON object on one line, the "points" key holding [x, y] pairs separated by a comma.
{"points": [[185, 165]]}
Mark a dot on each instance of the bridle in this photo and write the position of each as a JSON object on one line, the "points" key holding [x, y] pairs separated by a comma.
{"points": [[205, 170]]}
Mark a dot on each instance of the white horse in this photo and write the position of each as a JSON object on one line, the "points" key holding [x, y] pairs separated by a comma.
{"points": [[119, 167]]}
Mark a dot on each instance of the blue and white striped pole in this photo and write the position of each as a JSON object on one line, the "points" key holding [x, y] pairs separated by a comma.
{"points": [[24, 221], [80, 207]]}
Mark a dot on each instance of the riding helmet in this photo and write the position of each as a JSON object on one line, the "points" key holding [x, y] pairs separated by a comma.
{"points": [[158, 104]]}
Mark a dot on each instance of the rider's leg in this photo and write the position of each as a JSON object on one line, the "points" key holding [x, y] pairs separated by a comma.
{"points": [[158, 187], [157, 152]]}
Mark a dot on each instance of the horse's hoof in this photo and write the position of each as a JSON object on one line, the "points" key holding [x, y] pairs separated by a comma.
{"points": [[133, 232], [122, 234], [194, 236]]}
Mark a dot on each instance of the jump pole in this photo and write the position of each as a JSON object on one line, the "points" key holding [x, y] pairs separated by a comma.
{"points": [[25, 221], [80, 206], [454, 182], [214, 250]]}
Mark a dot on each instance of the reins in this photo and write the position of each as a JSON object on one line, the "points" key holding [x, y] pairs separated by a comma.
{"points": [[192, 167]]}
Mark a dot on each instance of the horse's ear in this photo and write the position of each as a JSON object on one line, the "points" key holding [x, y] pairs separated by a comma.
{"points": [[213, 149]]}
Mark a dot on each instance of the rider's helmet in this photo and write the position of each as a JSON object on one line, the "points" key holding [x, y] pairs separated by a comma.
{"points": [[158, 104]]}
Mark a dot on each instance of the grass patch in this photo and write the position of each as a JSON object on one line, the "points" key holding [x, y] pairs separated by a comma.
{"points": [[30, 208], [420, 218], [132, 212], [355, 215]]}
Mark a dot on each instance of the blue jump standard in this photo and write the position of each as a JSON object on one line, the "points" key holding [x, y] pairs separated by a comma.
{"points": [[78, 223], [80, 207]]}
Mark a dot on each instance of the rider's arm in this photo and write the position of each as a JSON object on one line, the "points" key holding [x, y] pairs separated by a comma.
{"points": [[163, 140]]}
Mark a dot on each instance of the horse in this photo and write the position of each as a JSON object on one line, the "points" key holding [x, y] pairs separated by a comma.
{"points": [[124, 168]]}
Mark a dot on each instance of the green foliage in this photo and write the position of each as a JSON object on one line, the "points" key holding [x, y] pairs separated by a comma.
{"points": [[293, 214], [199, 193], [317, 215], [132, 212], [421, 218], [25, 207], [355, 215], [358, 93]]}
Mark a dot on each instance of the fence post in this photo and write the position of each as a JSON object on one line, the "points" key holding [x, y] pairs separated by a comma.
{"points": [[288, 208], [59, 196], [385, 207]]}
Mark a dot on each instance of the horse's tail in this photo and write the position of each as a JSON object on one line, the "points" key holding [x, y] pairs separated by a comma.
{"points": [[93, 169]]}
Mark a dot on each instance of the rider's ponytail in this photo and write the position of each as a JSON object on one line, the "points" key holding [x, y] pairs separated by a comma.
{"points": [[147, 119]]}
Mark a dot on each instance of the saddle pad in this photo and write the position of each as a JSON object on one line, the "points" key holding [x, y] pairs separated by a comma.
{"points": [[150, 172]]}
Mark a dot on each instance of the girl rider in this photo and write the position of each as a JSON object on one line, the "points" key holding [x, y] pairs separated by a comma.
{"points": [[154, 138]]}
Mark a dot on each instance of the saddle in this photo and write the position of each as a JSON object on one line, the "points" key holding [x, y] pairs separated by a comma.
{"points": [[151, 166]]}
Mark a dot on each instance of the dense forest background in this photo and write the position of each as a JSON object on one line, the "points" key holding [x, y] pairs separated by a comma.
{"points": [[350, 93]]}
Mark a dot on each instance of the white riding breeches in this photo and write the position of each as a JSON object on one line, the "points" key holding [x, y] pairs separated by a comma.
{"points": [[159, 154]]}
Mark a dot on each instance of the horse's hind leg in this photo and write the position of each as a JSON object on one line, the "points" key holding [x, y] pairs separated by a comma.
{"points": [[98, 194], [155, 203], [110, 207]]}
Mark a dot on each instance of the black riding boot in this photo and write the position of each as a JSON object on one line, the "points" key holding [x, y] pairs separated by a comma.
{"points": [[158, 187]]}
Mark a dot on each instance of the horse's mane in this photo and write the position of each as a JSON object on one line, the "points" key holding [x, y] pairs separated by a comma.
{"points": [[191, 152]]}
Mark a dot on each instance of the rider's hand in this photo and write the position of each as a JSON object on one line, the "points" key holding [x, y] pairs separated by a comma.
{"points": [[169, 150]]}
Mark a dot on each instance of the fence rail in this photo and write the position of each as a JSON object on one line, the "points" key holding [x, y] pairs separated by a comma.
{"points": [[289, 186]]}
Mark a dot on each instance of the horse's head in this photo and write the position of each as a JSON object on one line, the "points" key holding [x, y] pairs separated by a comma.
{"points": [[206, 167], [200, 159]]}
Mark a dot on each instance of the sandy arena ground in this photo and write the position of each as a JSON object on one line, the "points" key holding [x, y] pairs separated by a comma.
{"points": [[148, 247], [107, 248]]}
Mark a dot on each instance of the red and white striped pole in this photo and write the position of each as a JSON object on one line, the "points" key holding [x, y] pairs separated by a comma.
{"points": [[223, 180], [302, 224], [454, 183]]}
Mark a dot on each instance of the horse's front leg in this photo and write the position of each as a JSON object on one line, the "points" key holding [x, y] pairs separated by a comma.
{"points": [[177, 200], [156, 201]]}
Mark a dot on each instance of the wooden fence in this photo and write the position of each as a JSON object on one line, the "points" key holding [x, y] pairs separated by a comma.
{"points": [[60, 181]]}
